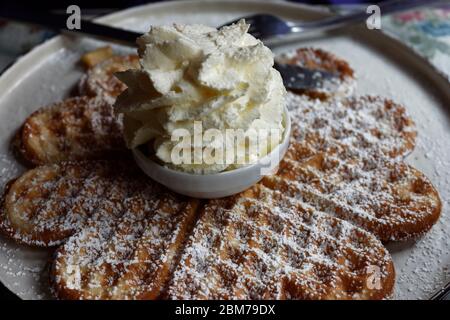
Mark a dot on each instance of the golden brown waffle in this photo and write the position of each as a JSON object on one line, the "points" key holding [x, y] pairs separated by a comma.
{"points": [[362, 125], [100, 80], [125, 234], [318, 59], [346, 158], [258, 245], [49, 203], [128, 258], [74, 129], [345, 161], [388, 198], [261, 245]]}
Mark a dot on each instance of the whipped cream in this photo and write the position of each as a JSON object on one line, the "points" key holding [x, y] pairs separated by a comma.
{"points": [[222, 78]]}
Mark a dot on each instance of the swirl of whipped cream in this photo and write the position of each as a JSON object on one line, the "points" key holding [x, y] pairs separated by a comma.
{"points": [[223, 78]]}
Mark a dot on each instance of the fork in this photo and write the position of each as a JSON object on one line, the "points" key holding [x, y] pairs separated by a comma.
{"points": [[269, 27]]}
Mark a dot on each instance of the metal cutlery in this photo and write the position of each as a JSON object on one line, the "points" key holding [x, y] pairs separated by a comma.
{"points": [[294, 77]]}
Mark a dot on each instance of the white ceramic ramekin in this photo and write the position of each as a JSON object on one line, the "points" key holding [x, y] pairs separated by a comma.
{"points": [[215, 185]]}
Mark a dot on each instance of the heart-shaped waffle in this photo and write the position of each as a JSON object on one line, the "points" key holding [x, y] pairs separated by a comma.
{"points": [[388, 198], [123, 241], [262, 245], [49, 203], [258, 245], [74, 129]]}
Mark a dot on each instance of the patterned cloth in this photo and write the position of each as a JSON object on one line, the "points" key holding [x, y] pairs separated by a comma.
{"points": [[427, 31]]}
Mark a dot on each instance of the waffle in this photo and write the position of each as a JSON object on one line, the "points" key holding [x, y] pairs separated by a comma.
{"points": [[258, 245], [346, 158], [288, 237], [74, 129], [125, 234], [312, 231], [388, 198], [261, 245], [100, 81], [127, 258], [363, 125], [49, 203], [318, 59]]}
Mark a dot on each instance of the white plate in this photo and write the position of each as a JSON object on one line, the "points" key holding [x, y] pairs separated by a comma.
{"points": [[383, 66]]}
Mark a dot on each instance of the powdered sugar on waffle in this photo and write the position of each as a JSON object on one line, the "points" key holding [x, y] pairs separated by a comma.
{"points": [[265, 246], [77, 128], [426, 262], [49, 203], [125, 258], [427, 256], [361, 174], [100, 80], [8, 170]]}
